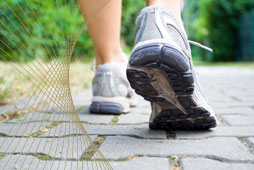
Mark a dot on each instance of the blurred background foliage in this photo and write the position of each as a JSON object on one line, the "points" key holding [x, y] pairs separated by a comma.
{"points": [[226, 26]]}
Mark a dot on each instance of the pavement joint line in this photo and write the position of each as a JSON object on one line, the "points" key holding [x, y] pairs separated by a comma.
{"points": [[248, 144], [83, 122], [2, 155], [134, 136], [170, 134], [114, 120], [222, 120], [216, 158], [71, 135], [92, 149], [211, 157], [44, 130], [236, 99]]}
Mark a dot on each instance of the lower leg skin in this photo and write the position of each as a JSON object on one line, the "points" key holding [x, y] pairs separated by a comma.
{"points": [[104, 30], [174, 5]]}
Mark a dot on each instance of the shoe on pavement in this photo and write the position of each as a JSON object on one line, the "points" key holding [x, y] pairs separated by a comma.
{"points": [[161, 70], [112, 93]]}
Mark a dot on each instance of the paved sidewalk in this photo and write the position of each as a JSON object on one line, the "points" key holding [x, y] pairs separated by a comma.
{"points": [[129, 144]]}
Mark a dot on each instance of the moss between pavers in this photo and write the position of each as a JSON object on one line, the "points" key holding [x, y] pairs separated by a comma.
{"points": [[2, 155], [43, 157], [93, 148], [47, 128], [114, 120], [175, 164]]}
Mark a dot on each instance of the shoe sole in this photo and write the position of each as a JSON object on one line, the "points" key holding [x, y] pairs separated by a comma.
{"points": [[106, 108], [147, 63], [110, 105]]}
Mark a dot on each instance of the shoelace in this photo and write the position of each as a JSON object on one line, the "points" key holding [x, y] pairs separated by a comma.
{"points": [[200, 45]]}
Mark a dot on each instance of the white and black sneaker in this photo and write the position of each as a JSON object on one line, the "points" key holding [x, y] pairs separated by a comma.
{"points": [[112, 93], [161, 70]]}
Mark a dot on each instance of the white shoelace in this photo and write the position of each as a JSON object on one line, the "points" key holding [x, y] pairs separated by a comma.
{"points": [[200, 45]]}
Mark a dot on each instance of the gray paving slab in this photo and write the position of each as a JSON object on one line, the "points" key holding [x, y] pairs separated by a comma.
{"points": [[220, 131], [22, 104], [231, 104], [25, 162], [22, 129], [141, 131], [62, 148], [141, 110], [208, 164], [230, 110], [142, 103], [235, 120], [64, 129], [227, 148], [82, 99], [43, 116], [134, 118], [86, 116]]}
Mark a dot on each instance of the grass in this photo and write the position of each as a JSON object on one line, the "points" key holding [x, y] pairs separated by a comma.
{"points": [[14, 86]]}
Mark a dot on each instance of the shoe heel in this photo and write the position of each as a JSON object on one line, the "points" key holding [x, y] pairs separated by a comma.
{"points": [[168, 59]]}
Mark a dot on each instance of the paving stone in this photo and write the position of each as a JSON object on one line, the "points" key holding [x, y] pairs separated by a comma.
{"points": [[235, 104], [220, 131], [82, 99], [242, 111], [22, 129], [239, 119], [141, 110], [208, 164], [133, 118], [29, 103], [64, 129], [220, 121], [142, 103], [142, 131], [142, 164], [86, 116], [122, 147], [62, 148], [21, 104], [138, 130], [33, 162], [220, 99], [247, 98]]}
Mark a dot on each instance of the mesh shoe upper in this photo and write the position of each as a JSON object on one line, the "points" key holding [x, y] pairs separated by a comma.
{"points": [[110, 81]]}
